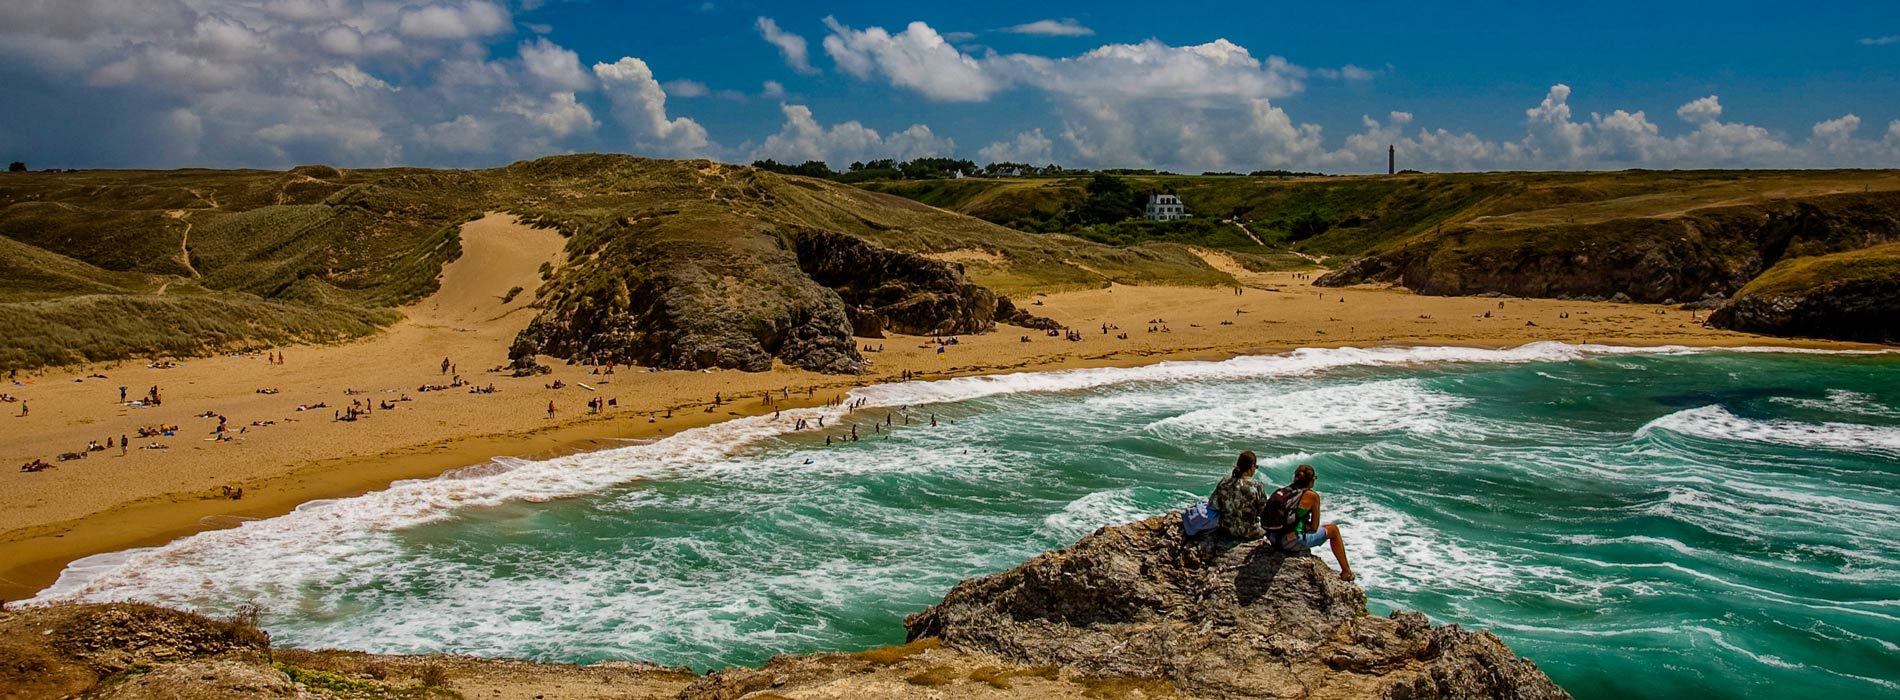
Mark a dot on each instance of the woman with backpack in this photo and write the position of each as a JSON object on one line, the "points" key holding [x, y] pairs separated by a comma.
{"points": [[1304, 530], [1240, 500]]}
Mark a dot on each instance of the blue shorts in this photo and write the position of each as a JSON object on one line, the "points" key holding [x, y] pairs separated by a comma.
{"points": [[1307, 540]]}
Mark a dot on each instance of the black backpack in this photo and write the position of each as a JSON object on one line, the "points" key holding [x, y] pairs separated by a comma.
{"points": [[1283, 511]]}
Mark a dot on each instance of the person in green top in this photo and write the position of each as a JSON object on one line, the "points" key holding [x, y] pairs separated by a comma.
{"points": [[1308, 531]]}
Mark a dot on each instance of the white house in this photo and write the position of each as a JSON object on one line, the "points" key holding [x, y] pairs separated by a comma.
{"points": [[1165, 207]]}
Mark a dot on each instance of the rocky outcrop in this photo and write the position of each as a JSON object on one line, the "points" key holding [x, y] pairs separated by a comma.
{"points": [[120, 651], [687, 315], [1218, 618], [1714, 251], [1846, 296], [885, 290], [646, 290], [61, 651]]}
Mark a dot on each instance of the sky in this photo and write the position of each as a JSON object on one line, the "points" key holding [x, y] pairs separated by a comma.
{"points": [[1183, 86]]}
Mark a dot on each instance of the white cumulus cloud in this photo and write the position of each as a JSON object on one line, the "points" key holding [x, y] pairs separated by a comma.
{"points": [[463, 20], [1028, 147], [802, 138], [791, 46], [553, 66], [917, 58], [639, 104]]}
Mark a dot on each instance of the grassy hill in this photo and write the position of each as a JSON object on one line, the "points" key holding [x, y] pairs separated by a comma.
{"points": [[1358, 215], [98, 265], [1646, 235]]}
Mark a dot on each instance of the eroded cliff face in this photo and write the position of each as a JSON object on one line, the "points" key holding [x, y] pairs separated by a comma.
{"points": [[1712, 251], [886, 290], [635, 294]]}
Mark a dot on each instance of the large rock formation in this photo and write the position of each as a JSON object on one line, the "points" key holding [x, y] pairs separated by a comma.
{"points": [[887, 290], [643, 296], [1845, 296], [1218, 618], [646, 290]]}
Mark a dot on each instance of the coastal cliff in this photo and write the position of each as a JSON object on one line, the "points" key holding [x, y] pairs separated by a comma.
{"points": [[1713, 251], [1847, 296], [1130, 611], [1818, 267]]}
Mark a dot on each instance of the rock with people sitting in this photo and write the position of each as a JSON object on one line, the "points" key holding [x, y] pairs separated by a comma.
{"points": [[1288, 518], [1235, 611]]}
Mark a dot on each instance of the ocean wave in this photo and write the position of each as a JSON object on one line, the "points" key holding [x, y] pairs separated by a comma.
{"points": [[1297, 363], [1402, 405], [1088, 513], [1843, 401], [1717, 423]]}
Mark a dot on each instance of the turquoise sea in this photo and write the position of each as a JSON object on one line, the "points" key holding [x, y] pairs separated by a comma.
{"points": [[1642, 523]]}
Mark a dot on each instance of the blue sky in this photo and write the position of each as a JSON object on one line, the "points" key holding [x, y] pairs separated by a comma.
{"points": [[1184, 86]]}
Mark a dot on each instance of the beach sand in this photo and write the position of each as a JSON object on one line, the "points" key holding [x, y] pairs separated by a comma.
{"points": [[110, 501]]}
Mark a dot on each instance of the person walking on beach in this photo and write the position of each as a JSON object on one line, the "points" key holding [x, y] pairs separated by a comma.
{"points": [[1307, 531], [122, 444], [1240, 500], [121, 394], [550, 409]]}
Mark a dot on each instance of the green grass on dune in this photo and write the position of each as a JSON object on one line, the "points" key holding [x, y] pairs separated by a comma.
{"points": [[101, 327]]}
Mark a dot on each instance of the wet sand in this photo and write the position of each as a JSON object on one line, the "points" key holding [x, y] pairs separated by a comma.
{"points": [[108, 502]]}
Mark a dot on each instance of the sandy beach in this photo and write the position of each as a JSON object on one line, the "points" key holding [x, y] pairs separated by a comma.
{"points": [[163, 487]]}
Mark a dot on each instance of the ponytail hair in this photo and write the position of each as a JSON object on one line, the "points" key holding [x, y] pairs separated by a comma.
{"points": [[1303, 477], [1245, 464]]}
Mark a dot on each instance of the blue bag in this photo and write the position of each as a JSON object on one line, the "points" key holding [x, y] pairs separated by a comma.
{"points": [[1199, 518]]}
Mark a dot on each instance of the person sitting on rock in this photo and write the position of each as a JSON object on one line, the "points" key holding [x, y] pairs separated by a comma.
{"points": [[1307, 531], [1240, 500]]}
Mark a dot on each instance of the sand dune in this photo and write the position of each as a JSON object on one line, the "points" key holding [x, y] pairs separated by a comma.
{"points": [[499, 254]]}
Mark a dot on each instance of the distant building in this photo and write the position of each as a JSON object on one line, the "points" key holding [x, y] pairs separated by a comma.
{"points": [[1391, 160], [1165, 207]]}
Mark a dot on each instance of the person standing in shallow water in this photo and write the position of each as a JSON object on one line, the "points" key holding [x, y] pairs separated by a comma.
{"points": [[1308, 532], [1240, 500]]}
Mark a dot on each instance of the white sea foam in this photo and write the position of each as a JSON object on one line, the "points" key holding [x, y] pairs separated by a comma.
{"points": [[1084, 515], [1403, 405], [1843, 401], [1717, 423], [1302, 362]]}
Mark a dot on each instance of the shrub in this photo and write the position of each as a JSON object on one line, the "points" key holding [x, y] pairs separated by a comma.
{"points": [[434, 675]]}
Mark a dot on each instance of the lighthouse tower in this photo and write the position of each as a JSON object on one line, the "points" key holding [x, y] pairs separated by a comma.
{"points": [[1391, 160]]}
